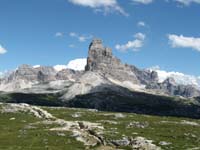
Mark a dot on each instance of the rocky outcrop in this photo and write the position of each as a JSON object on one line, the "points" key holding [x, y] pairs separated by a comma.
{"points": [[100, 59], [25, 72], [145, 76], [45, 74], [138, 143], [68, 74]]}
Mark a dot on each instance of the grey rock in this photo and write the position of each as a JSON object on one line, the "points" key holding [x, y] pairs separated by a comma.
{"points": [[145, 76], [141, 143], [187, 91], [163, 143], [45, 74], [26, 72], [100, 59], [136, 124], [122, 142], [68, 74], [138, 143], [170, 87]]}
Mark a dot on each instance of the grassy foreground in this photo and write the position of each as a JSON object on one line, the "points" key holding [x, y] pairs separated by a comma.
{"points": [[21, 131]]}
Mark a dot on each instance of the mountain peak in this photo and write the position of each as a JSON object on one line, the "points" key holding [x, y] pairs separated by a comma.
{"points": [[98, 55], [96, 44], [170, 81], [25, 66], [101, 63], [101, 59]]}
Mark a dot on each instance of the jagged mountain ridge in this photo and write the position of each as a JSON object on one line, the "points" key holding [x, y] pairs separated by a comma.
{"points": [[30, 78], [102, 70], [179, 77]]}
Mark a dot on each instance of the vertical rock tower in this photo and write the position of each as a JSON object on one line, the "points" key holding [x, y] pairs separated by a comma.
{"points": [[98, 56], [101, 59]]}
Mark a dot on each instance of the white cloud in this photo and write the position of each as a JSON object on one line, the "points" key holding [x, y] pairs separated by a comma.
{"points": [[59, 34], [5, 73], [60, 67], [141, 24], [105, 6], [73, 34], [1, 75], [81, 38], [71, 45], [187, 2], [179, 77], [184, 42], [36, 66], [143, 1], [140, 36], [76, 64], [133, 45], [2, 50]]}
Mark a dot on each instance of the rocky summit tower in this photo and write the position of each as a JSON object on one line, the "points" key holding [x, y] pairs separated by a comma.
{"points": [[101, 59], [98, 56]]}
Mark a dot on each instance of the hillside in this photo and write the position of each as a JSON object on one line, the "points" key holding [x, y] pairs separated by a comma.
{"points": [[38, 128]]}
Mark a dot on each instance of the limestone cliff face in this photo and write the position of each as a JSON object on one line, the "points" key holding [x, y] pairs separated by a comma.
{"points": [[101, 59], [28, 77], [24, 72], [170, 87], [28, 73]]}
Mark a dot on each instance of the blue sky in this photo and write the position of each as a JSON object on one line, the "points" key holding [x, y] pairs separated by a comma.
{"points": [[145, 33]]}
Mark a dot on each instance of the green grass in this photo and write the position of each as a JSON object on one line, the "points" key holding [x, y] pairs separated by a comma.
{"points": [[34, 99], [156, 131], [134, 102], [15, 135]]}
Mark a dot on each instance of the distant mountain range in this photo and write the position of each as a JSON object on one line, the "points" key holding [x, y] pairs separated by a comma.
{"points": [[80, 63], [180, 78], [103, 82]]}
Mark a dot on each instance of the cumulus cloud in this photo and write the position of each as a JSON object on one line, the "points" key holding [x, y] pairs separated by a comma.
{"points": [[133, 45], [182, 2], [180, 41], [143, 1], [5, 73], [71, 45], [73, 34], [179, 77], [1, 74], [76, 64], [2, 50], [187, 2], [59, 34], [36, 66], [81, 38], [141, 24], [105, 6], [140, 36], [60, 67]]}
